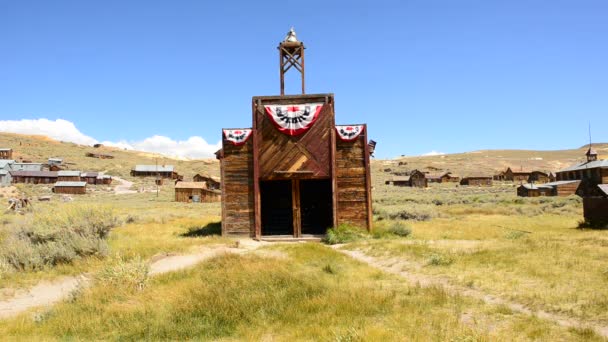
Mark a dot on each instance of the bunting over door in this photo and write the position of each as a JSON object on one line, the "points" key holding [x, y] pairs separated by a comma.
{"points": [[237, 136], [293, 119], [350, 132]]}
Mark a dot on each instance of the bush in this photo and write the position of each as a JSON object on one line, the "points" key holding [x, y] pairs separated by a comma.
{"points": [[439, 260], [400, 229], [514, 235], [344, 233], [125, 274], [46, 239]]}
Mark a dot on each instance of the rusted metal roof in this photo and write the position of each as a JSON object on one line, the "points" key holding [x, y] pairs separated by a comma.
{"points": [[5, 162], [70, 184], [191, 185], [153, 168]]}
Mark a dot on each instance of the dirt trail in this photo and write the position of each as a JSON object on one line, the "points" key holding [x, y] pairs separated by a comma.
{"points": [[47, 293], [395, 266], [124, 187]]}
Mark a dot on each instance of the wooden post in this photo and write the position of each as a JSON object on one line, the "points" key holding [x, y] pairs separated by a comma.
{"points": [[295, 203], [368, 180], [257, 204]]}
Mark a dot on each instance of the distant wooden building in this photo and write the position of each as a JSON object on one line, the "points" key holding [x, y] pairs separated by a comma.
{"points": [[559, 188], [161, 171], [449, 177], [398, 181], [593, 169], [418, 179], [442, 177], [499, 176], [595, 207], [212, 182], [68, 176], [476, 181], [89, 177], [34, 177], [6, 153], [55, 161], [538, 177], [26, 166], [195, 192], [514, 175], [71, 188]]}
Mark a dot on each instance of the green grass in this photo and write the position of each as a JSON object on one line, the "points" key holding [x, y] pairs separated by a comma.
{"points": [[242, 298]]}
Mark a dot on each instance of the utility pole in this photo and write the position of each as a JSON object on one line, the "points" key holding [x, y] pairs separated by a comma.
{"points": [[157, 176]]}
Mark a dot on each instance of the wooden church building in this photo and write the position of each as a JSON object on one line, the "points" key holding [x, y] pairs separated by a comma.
{"points": [[294, 173]]}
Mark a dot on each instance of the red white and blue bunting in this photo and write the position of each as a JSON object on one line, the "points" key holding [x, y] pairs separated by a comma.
{"points": [[350, 132], [294, 119], [237, 136]]}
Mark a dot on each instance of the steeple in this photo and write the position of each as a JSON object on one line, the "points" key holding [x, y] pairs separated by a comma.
{"points": [[591, 154]]}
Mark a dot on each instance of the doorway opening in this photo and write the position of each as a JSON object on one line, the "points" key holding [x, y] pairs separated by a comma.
{"points": [[277, 211], [316, 206]]}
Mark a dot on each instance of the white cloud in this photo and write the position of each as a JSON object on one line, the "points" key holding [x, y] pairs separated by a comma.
{"points": [[59, 129], [433, 153], [63, 130]]}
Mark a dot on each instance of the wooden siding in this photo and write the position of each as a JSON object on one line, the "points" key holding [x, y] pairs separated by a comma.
{"points": [[237, 189], [566, 189], [281, 156], [595, 210], [205, 196], [6, 154], [353, 196], [71, 190], [68, 179], [476, 181]]}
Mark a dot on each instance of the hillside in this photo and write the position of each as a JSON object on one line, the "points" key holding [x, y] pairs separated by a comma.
{"points": [[40, 148], [488, 162]]}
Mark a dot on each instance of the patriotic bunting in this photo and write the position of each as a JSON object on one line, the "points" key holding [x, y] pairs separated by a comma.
{"points": [[349, 133], [237, 136], [294, 119]]}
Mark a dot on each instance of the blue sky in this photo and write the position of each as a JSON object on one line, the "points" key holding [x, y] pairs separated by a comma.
{"points": [[448, 75]]}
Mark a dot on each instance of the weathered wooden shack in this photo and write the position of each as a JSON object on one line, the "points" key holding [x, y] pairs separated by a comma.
{"points": [[71, 188], [55, 161], [6, 153], [212, 182], [89, 177], [68, 176], [476, 180], [449, 177], [398, 181], [195, 192], [34, 177], [517, 175], [418, 179], [595, 207], [26, 166], [294, 173], [559, 188], [160, 171], [539, 177]]}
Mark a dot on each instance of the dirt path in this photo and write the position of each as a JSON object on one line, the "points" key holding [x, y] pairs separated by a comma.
{"points": [[395, 266], [124, 187], [47, 293]]}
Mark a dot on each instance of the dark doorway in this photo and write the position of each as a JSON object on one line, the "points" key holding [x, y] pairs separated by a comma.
{"points": [[277, 211], [316, 206]]}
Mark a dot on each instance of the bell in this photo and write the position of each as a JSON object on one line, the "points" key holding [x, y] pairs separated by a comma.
{"points": [[291, 36]]}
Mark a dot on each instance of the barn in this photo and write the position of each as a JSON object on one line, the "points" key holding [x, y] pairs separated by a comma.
{"points": [[212, 182], [196, 192], [68, 176], [294, 173], [418, 179], [6, 153], [476, 180], [71, 188]]}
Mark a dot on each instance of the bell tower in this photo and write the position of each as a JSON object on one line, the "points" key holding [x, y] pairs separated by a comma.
{"points": [[291, 54]]}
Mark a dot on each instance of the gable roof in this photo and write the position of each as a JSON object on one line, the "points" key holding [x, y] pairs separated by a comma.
{"points": [[44, 174], [153, 168], [5, 162]]}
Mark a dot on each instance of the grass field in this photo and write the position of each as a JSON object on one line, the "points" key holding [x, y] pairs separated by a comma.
{"points": [[526, 251]]}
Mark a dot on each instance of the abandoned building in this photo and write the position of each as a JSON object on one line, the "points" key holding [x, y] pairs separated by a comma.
{"points": [[96, 178], [558, 188], [160, 171], [55, 161], [33, 177], [6, 153], [68, 176], [418, 179], [442, 177], [593, 168], [398, 181], [539, 177], [294, 173], [517, 176], [476, 180], [71, 188], [26, 166], [99, 155], [195, 192], [212, 182]]}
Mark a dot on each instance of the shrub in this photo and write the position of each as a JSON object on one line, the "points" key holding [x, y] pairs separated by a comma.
{"points": [[514, 235], [400, 229], [436, 259], [46, 239], [125, 274], [344, 233]]}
